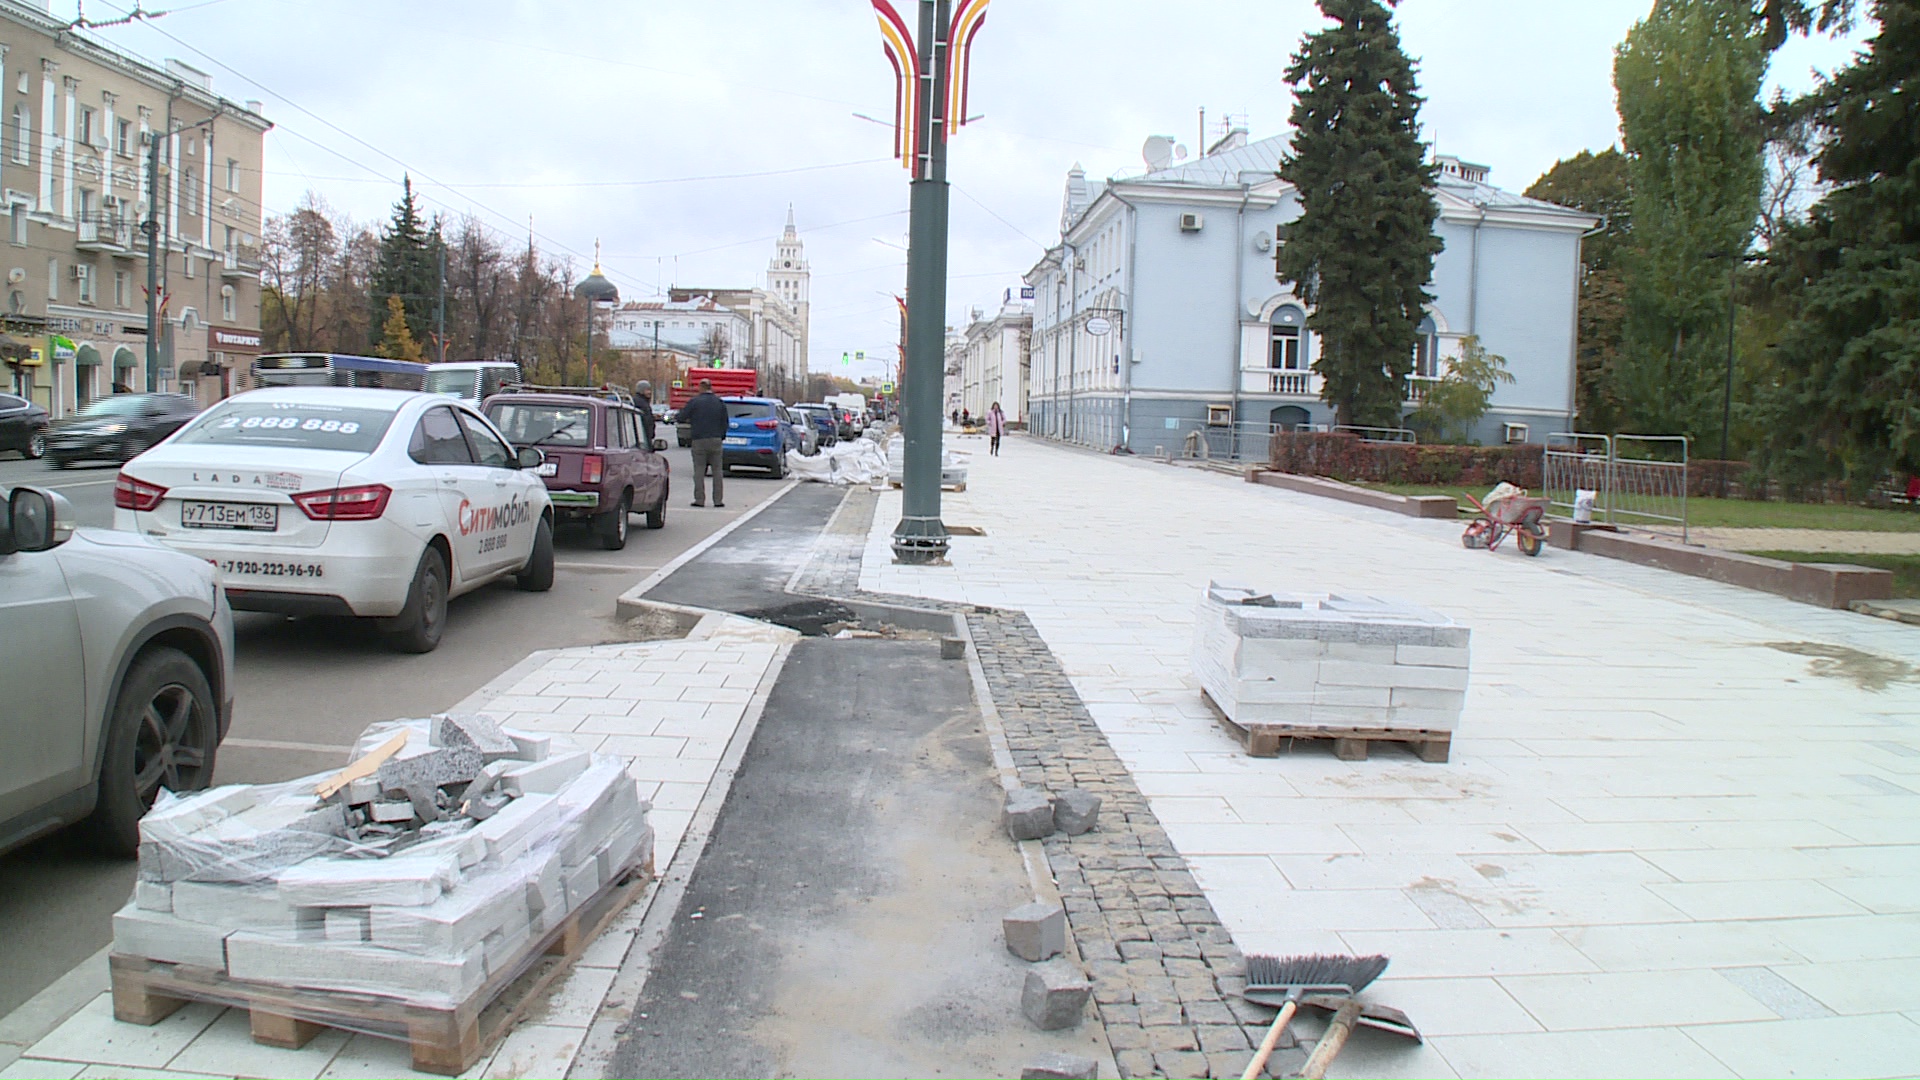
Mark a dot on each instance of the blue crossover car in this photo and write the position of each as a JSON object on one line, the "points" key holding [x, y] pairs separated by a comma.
{"points": [[760, 431]]}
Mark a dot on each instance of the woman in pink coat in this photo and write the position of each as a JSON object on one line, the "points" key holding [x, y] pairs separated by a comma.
{"points": [[996, 427]]}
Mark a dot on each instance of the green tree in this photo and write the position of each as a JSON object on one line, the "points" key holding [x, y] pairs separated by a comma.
{"points": [[1456, 402], [408, 265], [1362, 251], [1598, 184], [1687, 79], [1847, 404], [396, 338]]}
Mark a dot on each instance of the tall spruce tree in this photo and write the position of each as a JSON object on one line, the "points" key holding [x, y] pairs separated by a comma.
{"points": [[1687, 79], [1362, 251], [407, 267], [1848, 403]]}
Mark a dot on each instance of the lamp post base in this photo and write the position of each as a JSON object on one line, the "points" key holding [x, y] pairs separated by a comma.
{"points": [[920, 541]]}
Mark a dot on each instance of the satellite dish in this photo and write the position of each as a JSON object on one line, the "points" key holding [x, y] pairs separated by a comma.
{"points": [[1180, 153], [1157, 151]]}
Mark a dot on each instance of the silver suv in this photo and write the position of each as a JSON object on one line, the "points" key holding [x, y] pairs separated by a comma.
{"points": [[122, 657]]}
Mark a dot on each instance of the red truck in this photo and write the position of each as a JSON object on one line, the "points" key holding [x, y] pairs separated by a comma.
{"points": [[727, 382]]}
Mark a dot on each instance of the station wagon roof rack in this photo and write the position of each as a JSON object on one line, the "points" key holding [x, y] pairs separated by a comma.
{"points": [[612, 393]]}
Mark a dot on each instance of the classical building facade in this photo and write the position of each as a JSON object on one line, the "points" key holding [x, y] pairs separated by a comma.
{"points": [[1159, 310], [789, 279], [694, 326], [993, 359], [76, 184]]}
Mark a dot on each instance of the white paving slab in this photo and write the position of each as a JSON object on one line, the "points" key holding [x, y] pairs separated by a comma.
{"points": [[1676, 809], [567, 690]]}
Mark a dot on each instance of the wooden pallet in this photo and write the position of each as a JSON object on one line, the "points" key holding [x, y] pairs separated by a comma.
{"points": [[448, 1041], [1349, 744]]}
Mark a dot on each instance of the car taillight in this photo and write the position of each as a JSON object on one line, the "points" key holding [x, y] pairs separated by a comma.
{"points": [[363, 503], [766, 425], [131, 494], [590, 467]]}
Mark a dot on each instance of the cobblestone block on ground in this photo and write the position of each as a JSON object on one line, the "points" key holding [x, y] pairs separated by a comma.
{"points": [[1036, 931], [1055, 995]]}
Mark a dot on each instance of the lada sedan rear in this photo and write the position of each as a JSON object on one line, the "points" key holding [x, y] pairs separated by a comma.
{"points": [[379, 504]]}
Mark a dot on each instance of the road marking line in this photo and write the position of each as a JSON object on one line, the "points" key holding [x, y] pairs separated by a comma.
{"points": [[276, 744], [77, 483], [605, 568]]}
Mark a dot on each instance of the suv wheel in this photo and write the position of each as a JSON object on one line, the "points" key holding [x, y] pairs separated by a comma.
{"points": [[161, 734], [612, 526], [36, 445], [418, 627]]}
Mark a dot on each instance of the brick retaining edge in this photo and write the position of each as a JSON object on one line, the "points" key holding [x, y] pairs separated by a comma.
{"points": [[1421, 506], [1828, 585]]}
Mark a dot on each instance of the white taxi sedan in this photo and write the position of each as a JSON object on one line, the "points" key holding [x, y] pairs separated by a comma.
{"points": [[325, 501]]}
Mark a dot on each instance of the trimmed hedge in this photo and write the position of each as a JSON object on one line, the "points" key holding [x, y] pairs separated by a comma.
{"points": [[1348, 457]]}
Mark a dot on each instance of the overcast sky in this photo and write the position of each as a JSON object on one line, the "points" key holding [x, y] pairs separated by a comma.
{"points": [[592, 117]]}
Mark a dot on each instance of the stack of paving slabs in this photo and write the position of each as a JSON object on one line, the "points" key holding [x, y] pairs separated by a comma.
{"points": [[428, 866], [1320, 660]]}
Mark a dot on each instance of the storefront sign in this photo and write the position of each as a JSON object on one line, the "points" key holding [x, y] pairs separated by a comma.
{"points": [[229, 339]]}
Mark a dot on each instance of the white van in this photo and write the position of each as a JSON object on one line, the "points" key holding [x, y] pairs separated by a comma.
{"points": [[472, 381]]}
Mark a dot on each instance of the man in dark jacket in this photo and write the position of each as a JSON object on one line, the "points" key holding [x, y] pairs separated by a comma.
{"points": [[706, 417], [643, 400]]}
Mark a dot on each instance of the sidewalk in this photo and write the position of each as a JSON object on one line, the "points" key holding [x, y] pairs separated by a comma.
{"points": [[1680, 834]]}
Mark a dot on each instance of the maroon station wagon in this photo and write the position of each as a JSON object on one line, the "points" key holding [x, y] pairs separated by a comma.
{"points": [[598, 468]]}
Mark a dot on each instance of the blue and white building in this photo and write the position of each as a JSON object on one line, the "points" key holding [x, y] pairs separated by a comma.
{"points": [[1159, 311]]}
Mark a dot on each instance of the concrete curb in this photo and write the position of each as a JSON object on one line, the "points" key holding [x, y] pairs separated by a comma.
{"points": [[629, 605]]}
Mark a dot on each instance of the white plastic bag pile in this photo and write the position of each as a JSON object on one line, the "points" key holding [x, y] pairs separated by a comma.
{"points": [[856, 461], [411, 882], [953, 467]]}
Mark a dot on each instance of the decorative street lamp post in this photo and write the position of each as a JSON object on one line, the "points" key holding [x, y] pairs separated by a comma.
{"points": [[930, 103], [595, 290]]}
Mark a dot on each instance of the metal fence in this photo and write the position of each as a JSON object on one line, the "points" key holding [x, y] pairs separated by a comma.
{"points": [[1637, 481]]}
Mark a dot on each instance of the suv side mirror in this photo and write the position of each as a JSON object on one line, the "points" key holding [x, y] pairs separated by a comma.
{"points": [[36, 520], [530, 457]]}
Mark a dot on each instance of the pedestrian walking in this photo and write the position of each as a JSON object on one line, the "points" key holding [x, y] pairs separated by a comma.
{"points": [[955, 417], [996, 427], [966, 418], [643, 400], [706, 417]]}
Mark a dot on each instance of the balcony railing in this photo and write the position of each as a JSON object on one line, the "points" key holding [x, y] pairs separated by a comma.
{"points": [[240, 261], [105, 234], [1293, 383], [1417, 387]]}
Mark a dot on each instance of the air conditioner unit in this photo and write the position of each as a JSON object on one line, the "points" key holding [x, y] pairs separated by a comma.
{"points": [[1516, 433], [78, 271], [1190, 222]]}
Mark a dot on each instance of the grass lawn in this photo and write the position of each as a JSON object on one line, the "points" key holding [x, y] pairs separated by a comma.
{"points": [[1906, 568], [1738, 513]]}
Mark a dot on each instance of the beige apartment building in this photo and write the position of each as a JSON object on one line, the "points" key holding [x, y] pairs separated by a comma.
{"points": [[76, 118]]}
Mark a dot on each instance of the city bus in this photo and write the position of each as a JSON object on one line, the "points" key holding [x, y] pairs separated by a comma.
{"points": [[332, 369], [471, 380]]}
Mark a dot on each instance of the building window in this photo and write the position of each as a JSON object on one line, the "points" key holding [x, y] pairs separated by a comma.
{"points": [[84, 203], [123, 137], [17, 224], [188, 186], [86, 126], [120, 289], [233, 175], [53, 279], [83, 282], [189, 261], [20, 133], [1426, 351], [226, 304], [1288, 351]]}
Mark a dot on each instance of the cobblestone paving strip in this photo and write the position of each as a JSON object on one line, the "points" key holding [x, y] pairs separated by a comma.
{"points": [[1166, 974]]}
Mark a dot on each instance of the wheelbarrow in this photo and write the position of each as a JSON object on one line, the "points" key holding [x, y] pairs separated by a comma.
{"points": [[1519, 514]]}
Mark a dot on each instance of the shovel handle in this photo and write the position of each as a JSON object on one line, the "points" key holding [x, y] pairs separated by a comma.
{"points": [[1330, 1043], [1267, 1044]]}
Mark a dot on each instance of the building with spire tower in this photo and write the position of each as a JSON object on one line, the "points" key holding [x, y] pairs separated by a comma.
{"points": [[788, 278]]}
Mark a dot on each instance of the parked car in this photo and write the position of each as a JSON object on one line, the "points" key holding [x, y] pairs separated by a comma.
{"points": [[598, 467], [821, 416], [23, 426], [315, 500], [125, 649], [120, 427], [760, 431]]}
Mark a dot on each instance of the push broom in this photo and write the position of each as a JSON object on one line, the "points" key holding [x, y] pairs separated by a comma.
{"points": [[1283, 980]]}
